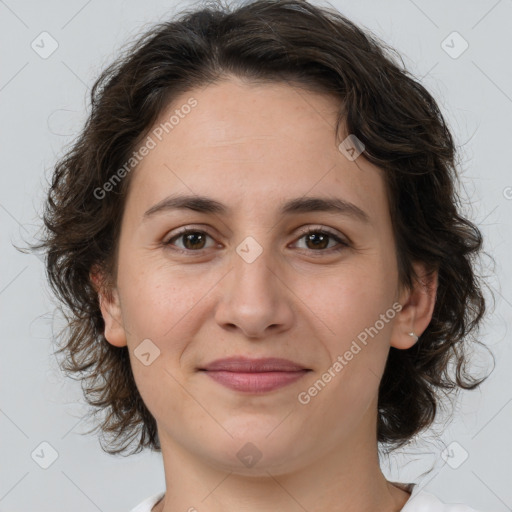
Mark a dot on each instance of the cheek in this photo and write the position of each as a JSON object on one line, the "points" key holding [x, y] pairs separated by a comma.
{"points": [[156, 297], [355, 308], [349, 298], [158, 304]]}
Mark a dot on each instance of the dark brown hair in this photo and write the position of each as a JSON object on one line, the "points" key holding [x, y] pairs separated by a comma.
{"points": [[394, 116]]}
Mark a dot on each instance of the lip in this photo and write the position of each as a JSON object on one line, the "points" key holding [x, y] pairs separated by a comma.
{"points": [[255, 382], [254, 375], [248, 365]]}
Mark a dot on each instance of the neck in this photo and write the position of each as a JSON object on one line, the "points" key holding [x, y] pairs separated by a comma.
{"points": [[347, 477]]}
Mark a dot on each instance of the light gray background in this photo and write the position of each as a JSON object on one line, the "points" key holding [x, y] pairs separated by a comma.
{"points": [[42, 105]]}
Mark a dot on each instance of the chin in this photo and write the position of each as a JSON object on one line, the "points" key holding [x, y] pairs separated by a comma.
{"points": [[254, 451]]}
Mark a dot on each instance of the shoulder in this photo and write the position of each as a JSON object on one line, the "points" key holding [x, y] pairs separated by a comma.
{"points": [[148, 503], [423, 501]]}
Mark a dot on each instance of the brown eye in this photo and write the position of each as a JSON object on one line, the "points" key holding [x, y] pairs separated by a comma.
{"points": [[192, 239], [318, 240]]}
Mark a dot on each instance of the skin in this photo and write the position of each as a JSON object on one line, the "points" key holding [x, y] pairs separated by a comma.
{"points": [[253, 147]]}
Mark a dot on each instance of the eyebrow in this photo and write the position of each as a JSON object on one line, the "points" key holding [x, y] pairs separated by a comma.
{"points": [[307, 204]]}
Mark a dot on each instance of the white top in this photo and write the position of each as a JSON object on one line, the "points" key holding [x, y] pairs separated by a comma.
{"points": [[419, 501]]}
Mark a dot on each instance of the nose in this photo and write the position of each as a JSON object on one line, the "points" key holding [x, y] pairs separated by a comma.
{"points": [[255, 298]]}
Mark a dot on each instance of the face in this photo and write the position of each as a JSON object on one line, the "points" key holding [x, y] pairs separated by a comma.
{"points": [[249, 280]]}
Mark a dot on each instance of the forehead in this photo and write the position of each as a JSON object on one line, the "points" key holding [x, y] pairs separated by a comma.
{"points": [[252, 144]]}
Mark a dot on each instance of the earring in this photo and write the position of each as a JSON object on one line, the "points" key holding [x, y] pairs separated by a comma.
{"points": [[414, 336]]}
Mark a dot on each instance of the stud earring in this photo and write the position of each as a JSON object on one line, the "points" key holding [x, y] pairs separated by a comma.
{"points": [[416, 338]]}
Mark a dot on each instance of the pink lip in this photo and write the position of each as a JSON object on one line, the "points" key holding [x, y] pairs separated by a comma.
{"points": [[255, 382], [254, 375], [246, 364]]}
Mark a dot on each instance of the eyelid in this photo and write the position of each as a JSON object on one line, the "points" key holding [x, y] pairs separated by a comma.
{"points": [[317, 227]]}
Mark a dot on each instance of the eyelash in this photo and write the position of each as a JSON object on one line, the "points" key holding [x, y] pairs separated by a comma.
{"points": [[186, 231]]}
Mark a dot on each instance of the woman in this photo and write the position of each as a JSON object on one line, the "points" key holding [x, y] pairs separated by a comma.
{"points": [[267, 274]]}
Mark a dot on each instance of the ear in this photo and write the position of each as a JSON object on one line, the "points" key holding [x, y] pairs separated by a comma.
{"points": [[417, 308], [108, 298]]}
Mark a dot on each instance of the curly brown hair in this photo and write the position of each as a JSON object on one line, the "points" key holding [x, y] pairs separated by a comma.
{"points": [[380, 102]]}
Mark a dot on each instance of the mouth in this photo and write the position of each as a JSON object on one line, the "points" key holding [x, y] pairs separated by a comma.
{"points": [[248, 365], [255, 382], [254, 375]]}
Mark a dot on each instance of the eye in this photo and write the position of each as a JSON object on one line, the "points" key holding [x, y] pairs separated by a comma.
{"points": [[193, 239], [318, 239]]}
